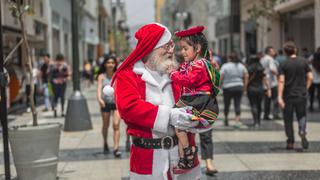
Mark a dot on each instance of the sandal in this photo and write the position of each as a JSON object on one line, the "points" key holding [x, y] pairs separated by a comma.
{"points": [[116, 153], [186, 163]]}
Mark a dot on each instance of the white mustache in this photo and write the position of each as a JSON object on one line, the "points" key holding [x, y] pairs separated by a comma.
{"points": [[163, 64]]}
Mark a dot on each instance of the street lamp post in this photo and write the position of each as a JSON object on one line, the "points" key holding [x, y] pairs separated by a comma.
{"points": [[78, 116], [114, 27], [181, 16], [3, 107]]}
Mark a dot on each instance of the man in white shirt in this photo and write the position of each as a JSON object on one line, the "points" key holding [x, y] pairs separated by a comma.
{"points": [[271, 71]]}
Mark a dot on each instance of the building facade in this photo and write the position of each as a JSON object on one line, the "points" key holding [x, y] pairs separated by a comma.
{"points": [[228, 26], [294, 20]]}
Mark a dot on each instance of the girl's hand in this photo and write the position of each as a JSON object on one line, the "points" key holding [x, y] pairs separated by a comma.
{"points": [[102, 104]]}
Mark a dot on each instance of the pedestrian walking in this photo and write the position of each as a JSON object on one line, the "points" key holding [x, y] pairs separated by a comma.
{"points": [[271, 71], [294, 81], [315, 87], [59, 76], [257, 82], [88, 73], [107, 105], [206, 145], [234, 77], [45, 75], [27, 80]]}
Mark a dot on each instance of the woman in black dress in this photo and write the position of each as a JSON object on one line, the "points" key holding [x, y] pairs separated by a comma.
{"points": [[257, 81]]}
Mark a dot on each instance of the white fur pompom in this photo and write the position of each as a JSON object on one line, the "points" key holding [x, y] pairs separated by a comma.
{"points": [[108, 90]]}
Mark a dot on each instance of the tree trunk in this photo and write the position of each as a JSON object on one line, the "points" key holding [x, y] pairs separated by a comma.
{"points": [[30, 66]]}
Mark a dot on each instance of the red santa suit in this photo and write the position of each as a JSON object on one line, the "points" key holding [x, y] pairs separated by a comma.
{"points": [[144, 99]]}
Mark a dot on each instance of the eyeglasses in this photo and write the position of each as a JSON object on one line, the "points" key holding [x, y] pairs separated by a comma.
{"points": [[168, 46]]}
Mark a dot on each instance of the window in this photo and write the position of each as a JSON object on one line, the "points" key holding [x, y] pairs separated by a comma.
{"points": [[41, 9]]}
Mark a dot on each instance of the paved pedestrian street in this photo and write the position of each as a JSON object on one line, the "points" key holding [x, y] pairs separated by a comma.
{"points": [[245, 153]]}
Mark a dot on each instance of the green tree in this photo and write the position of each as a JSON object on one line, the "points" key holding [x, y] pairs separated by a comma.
{"points": [[260, 13], [19, 9]]}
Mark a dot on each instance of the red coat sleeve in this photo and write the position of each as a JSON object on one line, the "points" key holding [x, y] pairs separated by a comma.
{"points": [[133, 108], [190, 78]]}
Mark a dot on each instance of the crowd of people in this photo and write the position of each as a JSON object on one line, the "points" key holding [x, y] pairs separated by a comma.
{"points": [[50, 79], [274, 82], [277, 84]]}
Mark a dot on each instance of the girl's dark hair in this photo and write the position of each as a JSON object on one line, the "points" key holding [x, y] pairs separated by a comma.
{"points": [[200, 39], [316, 61], [102, 68]]}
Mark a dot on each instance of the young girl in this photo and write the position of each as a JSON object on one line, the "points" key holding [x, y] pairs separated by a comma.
{"points": [[107, 105], [200, 86]]}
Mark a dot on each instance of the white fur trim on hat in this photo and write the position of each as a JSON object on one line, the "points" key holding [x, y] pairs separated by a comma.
{"points": [[165, 38]]}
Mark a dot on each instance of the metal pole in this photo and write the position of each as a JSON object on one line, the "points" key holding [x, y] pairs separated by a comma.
{"points": [[114, 13], [3, 107], [78, 116], [75, 45]]}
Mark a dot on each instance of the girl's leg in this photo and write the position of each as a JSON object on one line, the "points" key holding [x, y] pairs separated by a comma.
{"points": [[116, 129], [183, 141], [105, 126]]}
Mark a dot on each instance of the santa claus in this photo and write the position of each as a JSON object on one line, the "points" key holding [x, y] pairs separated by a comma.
{"points": [[145, 96]]}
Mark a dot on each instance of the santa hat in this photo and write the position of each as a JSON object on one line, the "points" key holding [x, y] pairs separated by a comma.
{"points": [[150, 37]]}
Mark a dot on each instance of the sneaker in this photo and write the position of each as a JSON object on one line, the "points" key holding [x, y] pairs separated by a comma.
{"points": [[237, 125], [45, 110], [257, 125], [304, 141], [28, 109], [267, 118], [290, 146]]}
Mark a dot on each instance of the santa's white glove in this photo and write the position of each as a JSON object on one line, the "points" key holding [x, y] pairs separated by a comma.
{"points": [[180, 119]]}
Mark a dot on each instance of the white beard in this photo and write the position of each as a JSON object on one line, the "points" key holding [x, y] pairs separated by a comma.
{"points": [[163, 64]]}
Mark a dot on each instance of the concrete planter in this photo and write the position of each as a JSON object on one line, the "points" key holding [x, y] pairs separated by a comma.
{"points": [[35, 150]]}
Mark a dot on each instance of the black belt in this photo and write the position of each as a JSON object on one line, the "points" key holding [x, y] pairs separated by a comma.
{"points": [[167, 142]]}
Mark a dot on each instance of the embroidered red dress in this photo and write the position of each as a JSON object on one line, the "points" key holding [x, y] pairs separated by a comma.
{"points": [[198, 90]]}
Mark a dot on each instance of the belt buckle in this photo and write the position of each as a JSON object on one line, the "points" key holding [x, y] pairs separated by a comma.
{"points": [[167, 142]]}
